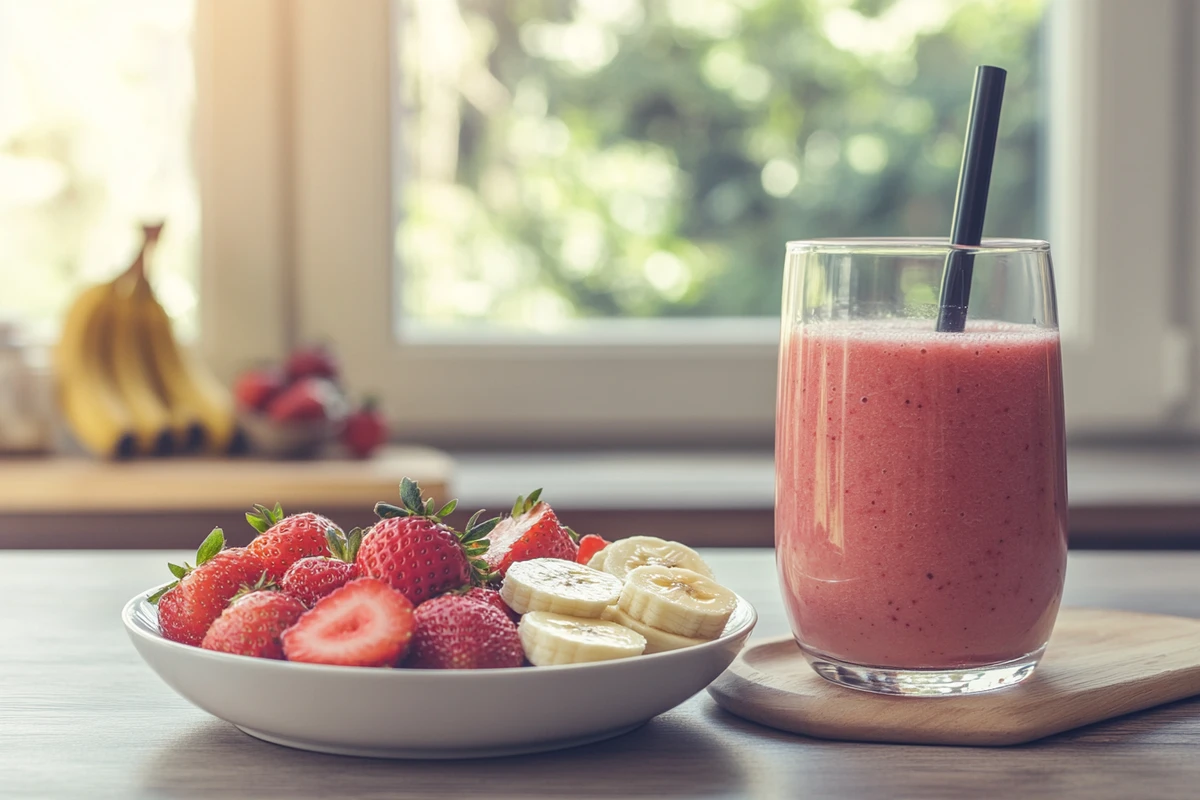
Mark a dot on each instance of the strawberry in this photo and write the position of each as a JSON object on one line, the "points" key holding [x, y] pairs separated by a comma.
{"points": [[456, 632], [363, 624], [308, 400], [282, 541], [310, 579], [533, 531], [492, 598], [416, 553], [590, 545], [365, 431], [314, 361], [187, 607], [253, 623], [255, 388]]}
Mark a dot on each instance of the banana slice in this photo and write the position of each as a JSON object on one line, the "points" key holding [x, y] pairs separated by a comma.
{"points": [[597, 561], [550, 639], [677, 601], [656, 641], [563, 587], [625, 555]]}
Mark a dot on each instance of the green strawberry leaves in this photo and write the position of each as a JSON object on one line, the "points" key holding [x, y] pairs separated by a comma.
{"points": [[410, 495], [262, 519], [154, 598], [473, 538], [389, 511], [212, 544], [344, 546], [523, 504], [263, 584], [414, 505], [475, 545]]}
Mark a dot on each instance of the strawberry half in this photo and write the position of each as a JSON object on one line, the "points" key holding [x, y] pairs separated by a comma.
{"points": [[457, 632], [252, 625], [187, 607], [282, 541], [590, 545], [419, 555], [532, 531], [310, 579], [363, 624]]}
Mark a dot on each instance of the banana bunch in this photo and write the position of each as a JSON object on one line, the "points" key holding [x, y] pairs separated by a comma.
{"points": [[637, 595], [125, 385]]}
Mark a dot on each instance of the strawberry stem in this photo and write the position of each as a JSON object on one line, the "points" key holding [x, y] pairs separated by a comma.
{"points": [[524, 504], [262, 519], [344, 547], [212, 544]]}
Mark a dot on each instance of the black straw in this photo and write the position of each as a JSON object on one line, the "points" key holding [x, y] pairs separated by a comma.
{"points": [[970, 202]]}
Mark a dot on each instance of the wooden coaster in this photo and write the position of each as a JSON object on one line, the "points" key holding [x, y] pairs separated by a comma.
{"points": [[1099, 664]]}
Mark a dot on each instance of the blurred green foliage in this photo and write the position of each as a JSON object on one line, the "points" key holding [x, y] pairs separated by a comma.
{"points": [[650, 158]]}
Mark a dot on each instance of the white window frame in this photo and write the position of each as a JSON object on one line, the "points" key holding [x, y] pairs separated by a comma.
{"points": [[295, 151]]}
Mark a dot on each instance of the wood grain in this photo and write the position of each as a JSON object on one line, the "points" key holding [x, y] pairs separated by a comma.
{"points": [[1099, 664], [81, 716], [67, 485]]}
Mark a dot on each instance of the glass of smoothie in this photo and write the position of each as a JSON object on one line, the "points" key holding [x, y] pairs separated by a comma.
{"points": [[920, 496]]}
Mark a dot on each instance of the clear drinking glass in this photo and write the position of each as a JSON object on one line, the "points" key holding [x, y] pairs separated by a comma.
{"points": [[920, 494]]}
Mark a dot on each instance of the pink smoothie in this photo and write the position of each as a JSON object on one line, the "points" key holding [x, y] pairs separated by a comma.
{"points": [[921, 492]]}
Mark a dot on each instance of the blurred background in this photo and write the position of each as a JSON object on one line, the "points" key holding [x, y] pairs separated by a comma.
{"points": [[546, 238]]}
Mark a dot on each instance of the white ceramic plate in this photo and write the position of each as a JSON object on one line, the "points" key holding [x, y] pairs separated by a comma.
{"points": [[408, 713]]}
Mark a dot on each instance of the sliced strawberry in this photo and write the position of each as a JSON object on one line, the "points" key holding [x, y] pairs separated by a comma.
{"points": [[252, 625], [457, 632], [590, 545], [532, 531], [363, 624], [282, 541], [189, 606]]}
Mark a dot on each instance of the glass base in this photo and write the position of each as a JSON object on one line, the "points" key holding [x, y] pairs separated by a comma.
{"points": [[924, 682]]}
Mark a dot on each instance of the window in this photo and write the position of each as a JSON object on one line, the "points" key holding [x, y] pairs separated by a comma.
{"points": [[96, 104], [626, 253], [649, 158]]}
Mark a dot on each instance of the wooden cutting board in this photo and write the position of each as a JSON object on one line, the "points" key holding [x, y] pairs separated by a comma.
{"points": [[1099, 664], [67, 485]]}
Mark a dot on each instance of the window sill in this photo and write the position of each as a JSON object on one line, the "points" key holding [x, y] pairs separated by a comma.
{"points": [[1119, 496]]}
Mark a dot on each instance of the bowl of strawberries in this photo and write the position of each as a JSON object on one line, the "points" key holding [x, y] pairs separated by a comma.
{"points": [[298, 409], [413, 639]]}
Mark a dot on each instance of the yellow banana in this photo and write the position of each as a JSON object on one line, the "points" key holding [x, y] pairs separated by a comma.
{"points": [[152, 419], [182, 418], [90, 402], [188, 387]]}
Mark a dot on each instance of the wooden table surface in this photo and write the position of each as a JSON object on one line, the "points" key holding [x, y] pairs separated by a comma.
{"points": [[81, 716]]}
